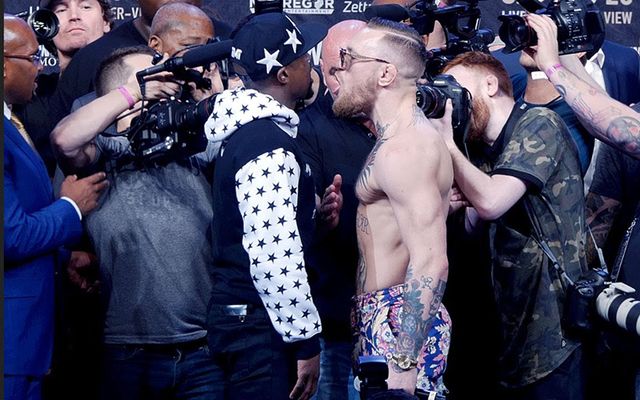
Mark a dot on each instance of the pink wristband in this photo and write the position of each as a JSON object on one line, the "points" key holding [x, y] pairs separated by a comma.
{"points": [[549, 71], [125, 93]]}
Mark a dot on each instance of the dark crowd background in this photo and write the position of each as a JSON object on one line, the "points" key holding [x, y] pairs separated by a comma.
{"points": [[620, 15]]}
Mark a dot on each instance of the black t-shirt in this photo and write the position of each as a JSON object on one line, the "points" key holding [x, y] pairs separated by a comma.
{"points": [[617, 176], [334, 146]]}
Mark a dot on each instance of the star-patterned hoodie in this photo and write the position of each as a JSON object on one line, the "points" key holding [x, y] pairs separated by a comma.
{"points": [[264, 206]]}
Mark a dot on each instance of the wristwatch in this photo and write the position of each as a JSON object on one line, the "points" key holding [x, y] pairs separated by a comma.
{"points": [[404, 362]]}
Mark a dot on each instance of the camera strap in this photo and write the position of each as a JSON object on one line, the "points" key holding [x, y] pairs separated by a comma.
{"points": [[623, 250], [539, 237]]}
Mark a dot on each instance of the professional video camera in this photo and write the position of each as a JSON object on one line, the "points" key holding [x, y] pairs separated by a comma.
{"points": [[594, 292], [171, 129], [461, 24], [432, 100], [580, 26]]}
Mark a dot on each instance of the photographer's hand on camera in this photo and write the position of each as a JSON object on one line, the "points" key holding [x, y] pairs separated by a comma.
{"points": [[444, 125], [546, 53]]}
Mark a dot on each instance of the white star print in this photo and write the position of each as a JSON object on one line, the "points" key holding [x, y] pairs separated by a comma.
{"points": [[273, 243], [293, 40], [270, 60]]}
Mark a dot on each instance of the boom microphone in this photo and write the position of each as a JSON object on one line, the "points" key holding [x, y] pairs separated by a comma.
{"points": [[393, 12], [202, 55]]}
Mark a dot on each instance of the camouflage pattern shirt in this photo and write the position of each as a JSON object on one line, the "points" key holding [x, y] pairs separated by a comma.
{"points": [[536, 147]]}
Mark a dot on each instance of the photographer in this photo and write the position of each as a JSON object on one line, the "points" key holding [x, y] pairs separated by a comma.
{"points": [[529, 190], [151, 234], [607, 119], [617, 125]]}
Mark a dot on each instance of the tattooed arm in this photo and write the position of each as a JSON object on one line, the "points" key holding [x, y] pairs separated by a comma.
{"points": [[411, 177], [607, 119], [601, 212]]}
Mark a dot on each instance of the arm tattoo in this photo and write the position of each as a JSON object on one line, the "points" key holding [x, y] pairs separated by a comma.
{"points": [[625, 132], [414, 327], [361, 276], [601, 212], [362, 224], [363, 179]]}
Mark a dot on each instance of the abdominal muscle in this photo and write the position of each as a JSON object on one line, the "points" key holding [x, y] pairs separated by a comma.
{"points": [[383, 257]]}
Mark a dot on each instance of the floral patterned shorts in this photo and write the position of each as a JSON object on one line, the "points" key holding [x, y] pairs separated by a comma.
{"points": [[376, 321]]}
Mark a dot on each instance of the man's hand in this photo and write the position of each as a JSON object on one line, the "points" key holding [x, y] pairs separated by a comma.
{"points": [[308, 372], [546, 52], [84, 192], [213, 74], [405, 380], [81, 270], [457, 200], [331, 204], [445, 126]]}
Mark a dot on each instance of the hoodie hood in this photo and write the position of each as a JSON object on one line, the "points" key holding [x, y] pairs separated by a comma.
{"points": [[238, 107]]}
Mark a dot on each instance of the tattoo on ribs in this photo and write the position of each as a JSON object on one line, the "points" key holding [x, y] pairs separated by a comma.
{"points": [[414, 327], [362, 223], [361, 277]]}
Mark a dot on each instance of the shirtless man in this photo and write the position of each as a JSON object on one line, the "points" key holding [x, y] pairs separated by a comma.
{"points": [[404, 197]]}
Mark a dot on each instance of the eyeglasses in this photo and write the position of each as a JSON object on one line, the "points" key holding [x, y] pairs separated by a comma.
{"points": [[36, 59], [347, 58]]}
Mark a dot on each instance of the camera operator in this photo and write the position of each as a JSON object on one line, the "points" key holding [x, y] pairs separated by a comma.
{"points": [[151, 234], [607, 119], [529, 190], [615, 124]]}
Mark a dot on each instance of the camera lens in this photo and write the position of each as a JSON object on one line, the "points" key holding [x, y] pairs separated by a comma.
{"points": [[44, 23], [431, 101], [515, 33]]}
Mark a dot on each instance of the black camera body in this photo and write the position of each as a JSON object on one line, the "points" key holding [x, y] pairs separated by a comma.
{"points": [[580, 26], [593, 294], [169, 130], [432, 100]]}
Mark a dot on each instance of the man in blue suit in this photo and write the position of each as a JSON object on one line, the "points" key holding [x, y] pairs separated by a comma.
{"points": [[35, 225]]}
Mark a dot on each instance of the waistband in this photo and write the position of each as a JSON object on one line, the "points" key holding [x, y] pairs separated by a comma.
{"points": [[383, 295]]}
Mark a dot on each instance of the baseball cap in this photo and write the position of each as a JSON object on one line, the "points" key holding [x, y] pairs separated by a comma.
{"points": [[272, 40]]}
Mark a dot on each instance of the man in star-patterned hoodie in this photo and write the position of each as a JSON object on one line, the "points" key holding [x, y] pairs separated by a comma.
{"points": [[263, 325]]}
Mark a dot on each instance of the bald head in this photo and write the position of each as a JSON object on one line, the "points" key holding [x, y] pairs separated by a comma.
{"points": [[179, 25], [338, 36], [19, 71]]}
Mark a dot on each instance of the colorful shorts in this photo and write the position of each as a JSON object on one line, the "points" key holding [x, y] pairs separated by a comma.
{"points": [[376, 321]]}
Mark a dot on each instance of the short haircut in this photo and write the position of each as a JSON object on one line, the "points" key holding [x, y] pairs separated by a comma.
{"points": [[486, 62], [105, 5], [406, 43], [113, 71]]}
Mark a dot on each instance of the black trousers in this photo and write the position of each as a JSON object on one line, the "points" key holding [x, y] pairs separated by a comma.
{"points": [[567, 382], [250, 357]]}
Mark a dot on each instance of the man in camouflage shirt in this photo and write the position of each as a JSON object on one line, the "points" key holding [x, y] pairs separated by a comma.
{"points": [[528, 171]]}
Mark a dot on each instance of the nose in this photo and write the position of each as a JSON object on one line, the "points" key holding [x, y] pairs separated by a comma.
{"points": [[74, 12]]}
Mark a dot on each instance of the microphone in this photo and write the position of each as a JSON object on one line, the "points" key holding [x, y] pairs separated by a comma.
{"points": [[393, 12], [202, 55]]}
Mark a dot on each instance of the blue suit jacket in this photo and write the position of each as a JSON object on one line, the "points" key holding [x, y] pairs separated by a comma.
{"points": [[35, 226], [621, 72]]}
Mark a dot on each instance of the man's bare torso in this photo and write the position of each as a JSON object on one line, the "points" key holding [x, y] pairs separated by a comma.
{"points": [[383, 256]]}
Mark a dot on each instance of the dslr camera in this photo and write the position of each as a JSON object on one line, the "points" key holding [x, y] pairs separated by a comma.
{"points": [[580, 26], [594, 294], [432, 100]]}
